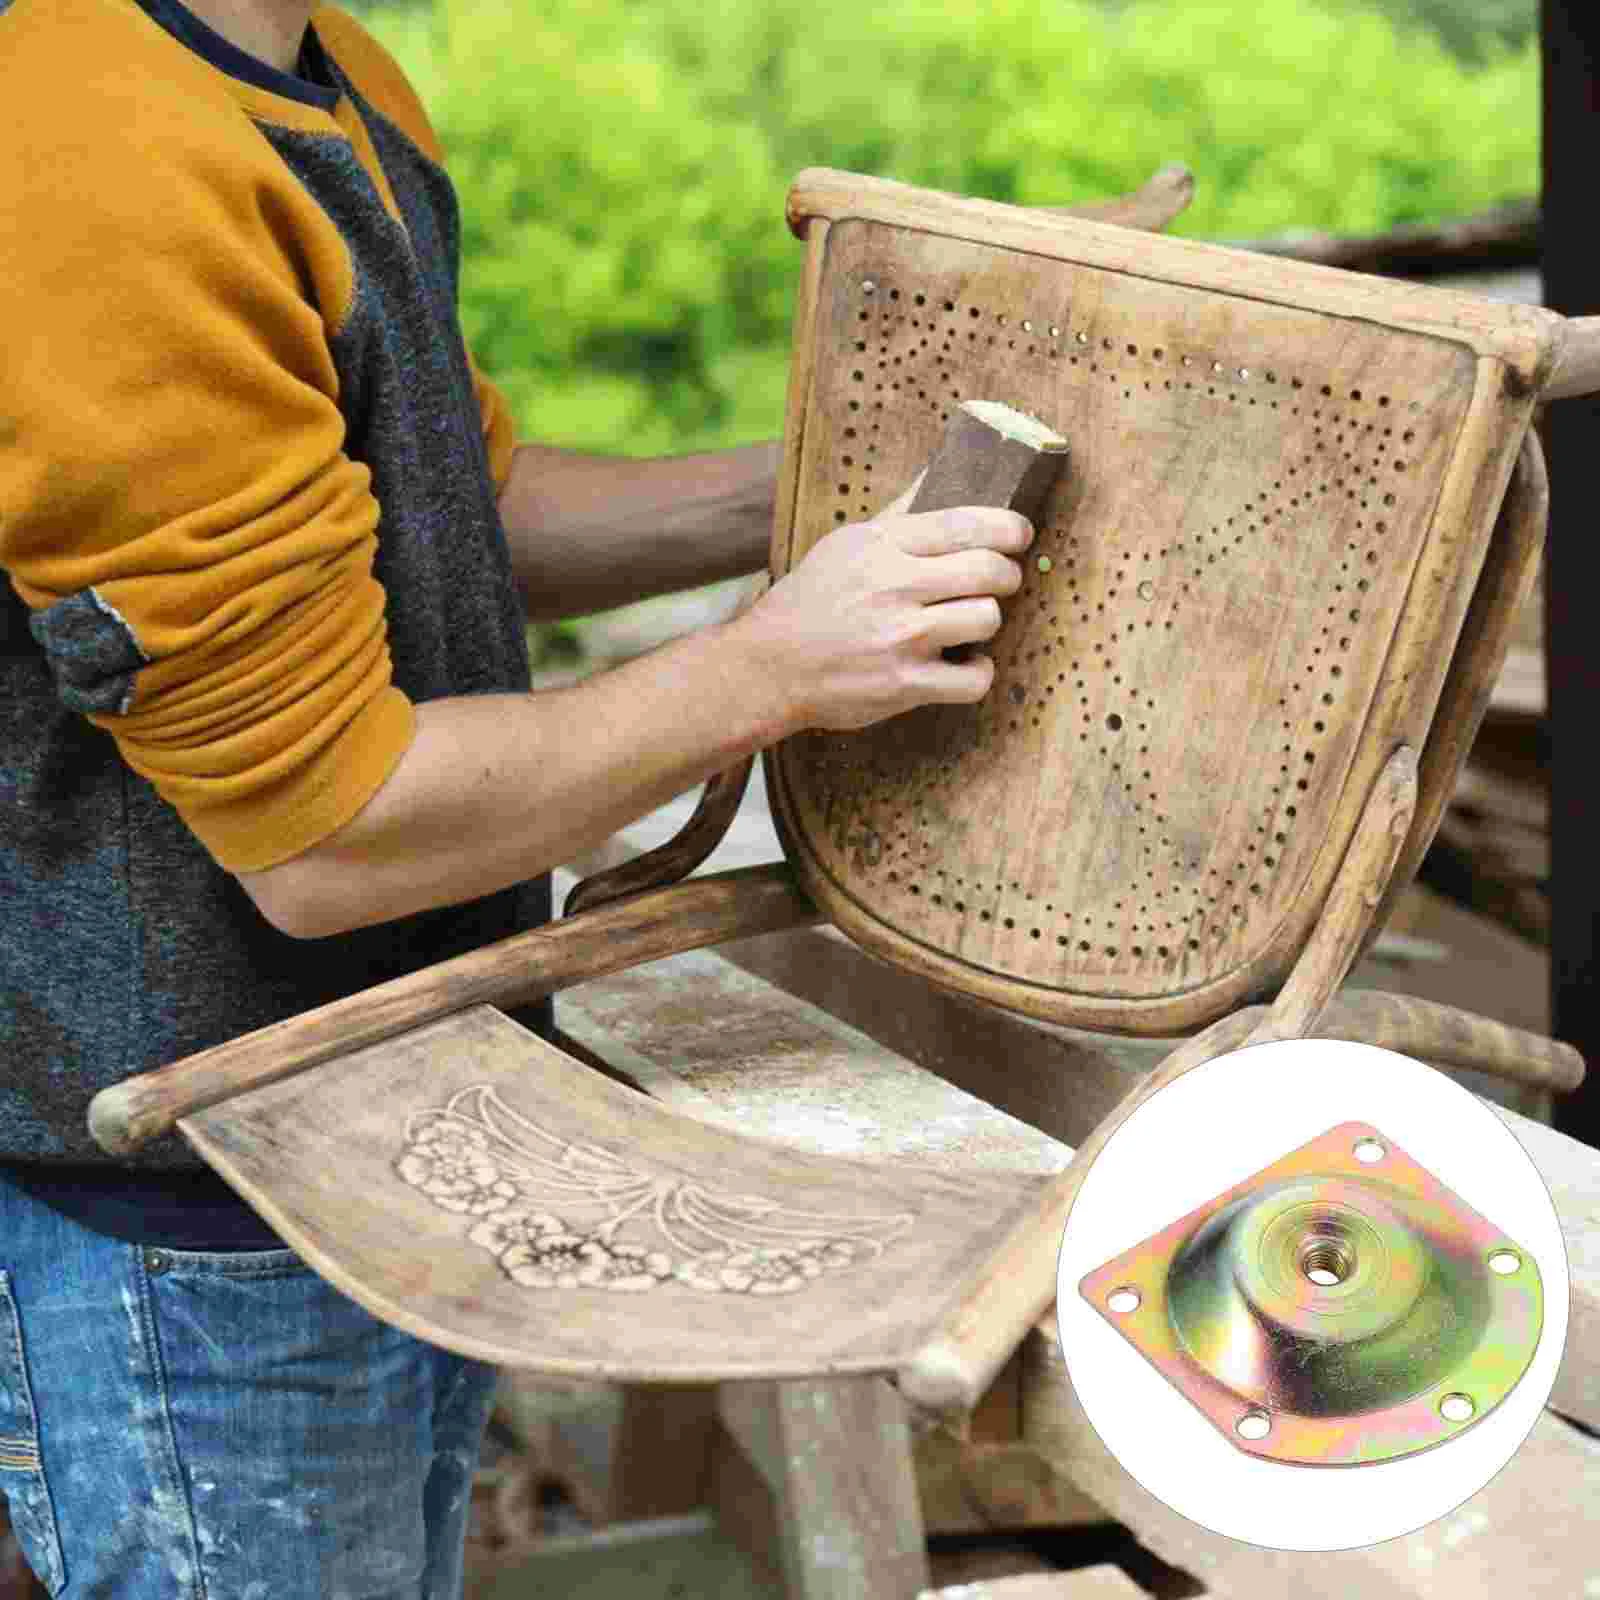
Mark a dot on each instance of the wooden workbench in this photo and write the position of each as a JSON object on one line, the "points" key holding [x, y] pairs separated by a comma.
{"points": [[802, 1037]]}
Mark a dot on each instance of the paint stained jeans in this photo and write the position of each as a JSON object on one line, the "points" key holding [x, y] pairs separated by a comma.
{"points": [[185, 1426]]}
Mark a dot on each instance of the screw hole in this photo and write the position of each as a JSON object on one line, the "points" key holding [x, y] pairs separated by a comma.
{"points": [[1505, 1262], [1253, 1425], [1123, 1300], [1457, 1408], [1369, 1151], [1327, 1263]]}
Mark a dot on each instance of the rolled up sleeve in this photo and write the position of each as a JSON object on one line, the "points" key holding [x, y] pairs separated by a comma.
{"points": [[178, 512], [499, 426]]}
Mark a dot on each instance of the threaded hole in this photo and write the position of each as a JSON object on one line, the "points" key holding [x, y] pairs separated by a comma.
{"points": [[1326, 1262]]}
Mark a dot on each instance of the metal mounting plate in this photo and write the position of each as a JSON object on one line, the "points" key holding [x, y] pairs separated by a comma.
{"points": [[1340, 1307]]}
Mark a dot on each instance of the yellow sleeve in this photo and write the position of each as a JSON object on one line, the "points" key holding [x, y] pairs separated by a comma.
{"points": [[499, 428], [383, 81], [176, 506]]}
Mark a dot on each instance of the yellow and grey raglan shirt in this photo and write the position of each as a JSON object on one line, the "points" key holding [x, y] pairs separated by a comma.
{"points": [[248, 514]]}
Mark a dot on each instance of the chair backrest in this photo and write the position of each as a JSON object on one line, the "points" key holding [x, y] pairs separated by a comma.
{"points": [[1245, 593]]}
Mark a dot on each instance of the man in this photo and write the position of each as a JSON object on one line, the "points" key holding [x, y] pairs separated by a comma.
{"points": [[266, 739]]}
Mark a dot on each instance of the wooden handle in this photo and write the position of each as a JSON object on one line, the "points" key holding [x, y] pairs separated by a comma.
{"points": [[1578, 366], [512, 972]]}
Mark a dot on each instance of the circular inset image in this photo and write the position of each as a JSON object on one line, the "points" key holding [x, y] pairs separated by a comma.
{"points": [[1312, 1295]]}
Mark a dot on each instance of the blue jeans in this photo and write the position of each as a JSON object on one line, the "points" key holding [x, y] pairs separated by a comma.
{"points": [[185, 1426]]}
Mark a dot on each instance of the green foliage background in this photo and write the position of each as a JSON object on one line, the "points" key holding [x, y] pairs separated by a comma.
{"points": [[628, 277], [1470, 27]]}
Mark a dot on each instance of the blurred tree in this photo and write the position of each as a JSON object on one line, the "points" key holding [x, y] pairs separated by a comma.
{"points": [[1472, 28]]}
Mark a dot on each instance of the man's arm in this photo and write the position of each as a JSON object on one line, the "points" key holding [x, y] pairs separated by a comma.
{"points": [[495, 789], [591, 532]]}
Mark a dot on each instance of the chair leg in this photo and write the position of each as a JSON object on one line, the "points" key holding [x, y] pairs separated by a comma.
{"points": [[1161, 200], [661, 1454], [834, 1458]]}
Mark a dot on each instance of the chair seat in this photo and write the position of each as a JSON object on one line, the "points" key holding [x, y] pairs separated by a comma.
{"points": [[502, 1199]]}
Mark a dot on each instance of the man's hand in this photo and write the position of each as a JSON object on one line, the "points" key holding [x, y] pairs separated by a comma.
{"points": [[497, 788], [856, 632]]}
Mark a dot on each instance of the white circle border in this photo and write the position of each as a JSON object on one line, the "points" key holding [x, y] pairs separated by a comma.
{"points": [[1206, 1131]]}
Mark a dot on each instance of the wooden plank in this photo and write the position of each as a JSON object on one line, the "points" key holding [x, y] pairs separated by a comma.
{"points": [[661, 1451], [995, 1488], [837, 1458], [1523, 1528], [698, 1034], [746, 1508], [1487, 970]]}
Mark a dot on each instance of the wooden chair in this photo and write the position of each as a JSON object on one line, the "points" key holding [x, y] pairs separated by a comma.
{"points": [[1263, 615]]}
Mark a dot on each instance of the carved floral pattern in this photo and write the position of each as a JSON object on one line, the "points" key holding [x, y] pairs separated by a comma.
{"points": [[551, 1211]]}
